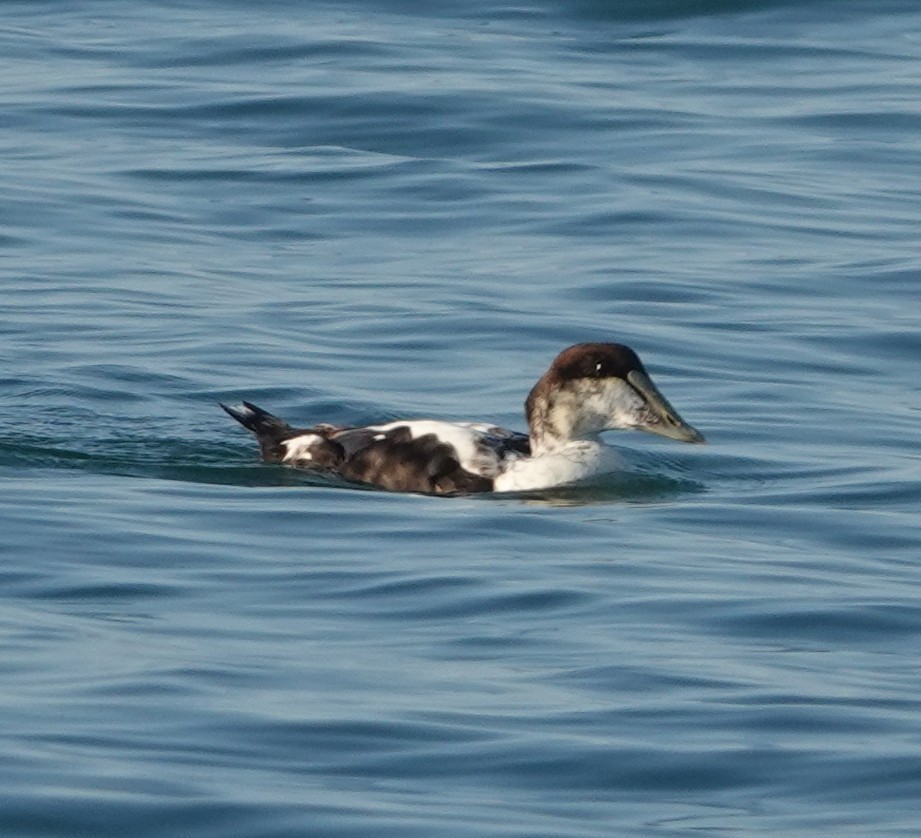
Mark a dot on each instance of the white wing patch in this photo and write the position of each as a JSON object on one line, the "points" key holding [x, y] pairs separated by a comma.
{"points": [[297, 449], [469, 441]]}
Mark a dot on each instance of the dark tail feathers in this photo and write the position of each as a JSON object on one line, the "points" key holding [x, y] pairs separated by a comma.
{"points": [[268, 429]]}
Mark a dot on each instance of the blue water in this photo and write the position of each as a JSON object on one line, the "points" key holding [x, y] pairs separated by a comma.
{"points": [[356, 211]]}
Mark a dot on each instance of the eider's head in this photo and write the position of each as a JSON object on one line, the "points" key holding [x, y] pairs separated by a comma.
{"points": [[594, 387]]}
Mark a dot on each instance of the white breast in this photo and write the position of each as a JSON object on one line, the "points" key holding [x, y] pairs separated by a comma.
{"points": [[574, 461]]}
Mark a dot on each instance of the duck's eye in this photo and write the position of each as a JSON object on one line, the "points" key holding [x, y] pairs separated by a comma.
{"points": [[598, 369]]}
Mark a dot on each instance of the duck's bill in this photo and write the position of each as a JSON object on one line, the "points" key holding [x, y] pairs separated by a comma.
{"points": [[657, 416]]}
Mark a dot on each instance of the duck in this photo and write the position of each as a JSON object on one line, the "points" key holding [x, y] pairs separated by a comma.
{"points": [[589, 388]]}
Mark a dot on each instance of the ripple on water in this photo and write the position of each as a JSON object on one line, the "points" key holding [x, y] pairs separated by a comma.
{"points": [[353, 215]]}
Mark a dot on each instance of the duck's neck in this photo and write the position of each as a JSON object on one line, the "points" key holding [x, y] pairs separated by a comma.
{"points": [[558, 419]]}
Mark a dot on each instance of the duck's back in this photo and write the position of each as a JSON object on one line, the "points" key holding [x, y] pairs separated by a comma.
{"points": [[407, 456]]}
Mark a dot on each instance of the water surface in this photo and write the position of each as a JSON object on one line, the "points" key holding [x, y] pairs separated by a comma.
{"points": [[355, 212]]}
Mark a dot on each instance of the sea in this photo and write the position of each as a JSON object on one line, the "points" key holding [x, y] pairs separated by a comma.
{"points": [[364, 210]]}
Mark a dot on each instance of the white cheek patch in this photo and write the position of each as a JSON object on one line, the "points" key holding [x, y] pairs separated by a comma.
{"points": [[589, 407], [298, 449], [622, 402]]}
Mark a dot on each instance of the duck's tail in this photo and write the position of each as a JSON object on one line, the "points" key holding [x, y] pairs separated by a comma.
{"points": [[269, 429]]}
